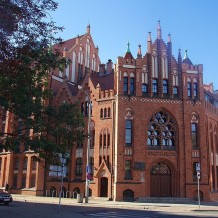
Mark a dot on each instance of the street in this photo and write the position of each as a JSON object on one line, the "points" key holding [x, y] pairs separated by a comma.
{"points": [[18, 209]]}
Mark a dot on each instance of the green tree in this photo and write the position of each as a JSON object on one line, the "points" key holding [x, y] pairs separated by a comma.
{"points": [[26, 59], [63, 129], [25, 62]]}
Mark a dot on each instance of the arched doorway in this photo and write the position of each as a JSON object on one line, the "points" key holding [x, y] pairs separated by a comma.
{"points": [[128, 195], [104, 187], [160, 180]]}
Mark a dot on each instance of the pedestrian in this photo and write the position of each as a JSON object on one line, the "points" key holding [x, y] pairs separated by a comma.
{"points": [[6, 187]]}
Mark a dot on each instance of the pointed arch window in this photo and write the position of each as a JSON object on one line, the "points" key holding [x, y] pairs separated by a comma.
{"points": [[161, 132]]}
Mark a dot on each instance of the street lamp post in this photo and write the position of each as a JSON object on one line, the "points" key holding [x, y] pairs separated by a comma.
{"points": [[63, 162], [88, 146]]}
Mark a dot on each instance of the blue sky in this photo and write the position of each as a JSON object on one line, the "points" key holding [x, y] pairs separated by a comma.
{"points": [[191, 23]]}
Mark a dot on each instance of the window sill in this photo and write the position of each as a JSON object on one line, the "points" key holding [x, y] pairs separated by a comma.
{"points": [[128, 178]]}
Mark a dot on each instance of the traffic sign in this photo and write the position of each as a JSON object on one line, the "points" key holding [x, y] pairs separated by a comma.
{"points": [[198, 167]]}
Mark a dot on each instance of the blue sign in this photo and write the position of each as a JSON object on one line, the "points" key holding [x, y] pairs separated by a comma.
{"points": [[88, 169]]}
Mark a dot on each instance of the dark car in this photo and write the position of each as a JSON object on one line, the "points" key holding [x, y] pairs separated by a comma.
{"points": [[5, 198]]}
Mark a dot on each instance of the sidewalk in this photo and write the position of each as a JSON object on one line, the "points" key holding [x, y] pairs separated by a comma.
{"points": [[98, 202]]}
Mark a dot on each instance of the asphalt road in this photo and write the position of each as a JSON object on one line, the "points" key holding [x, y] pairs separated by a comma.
{"points": [[19, 209]]}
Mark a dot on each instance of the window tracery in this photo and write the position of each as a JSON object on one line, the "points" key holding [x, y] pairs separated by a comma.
{"points": [[161, 131]]}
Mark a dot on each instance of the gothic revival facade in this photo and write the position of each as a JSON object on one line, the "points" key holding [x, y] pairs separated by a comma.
{"points": [[153, 121]]}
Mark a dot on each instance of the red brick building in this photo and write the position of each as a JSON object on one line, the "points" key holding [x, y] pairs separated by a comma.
{"points": [[153, 121]]}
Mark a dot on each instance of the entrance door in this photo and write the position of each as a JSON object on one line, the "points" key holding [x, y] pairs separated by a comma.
{"points": [[104, 187], [160, 180]]}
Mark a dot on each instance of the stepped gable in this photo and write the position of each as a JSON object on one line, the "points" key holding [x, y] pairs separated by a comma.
{"points": [[106, 81], [66, 45]]}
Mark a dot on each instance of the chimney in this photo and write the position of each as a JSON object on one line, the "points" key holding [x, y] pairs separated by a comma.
{"points": [[77, 39], [109, 66], [64, 52], [101, 69]]}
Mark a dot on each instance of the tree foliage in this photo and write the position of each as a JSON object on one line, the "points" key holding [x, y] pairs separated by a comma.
{"points": [[26, 59]]}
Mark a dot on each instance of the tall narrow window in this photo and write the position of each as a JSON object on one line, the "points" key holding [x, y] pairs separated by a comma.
{"points": [[15, 178], [108, 140], [105, 112], [144, 89], [189, 89], [25, 163], [109, 112], [128, 173], [92, 165], [195, 89], [82, 108], [33, 180], [34, 163], [24, 180], [92, 138], [16, 163], [175, 90], [79, 166], [128, 134], [132, 86], [101, 113], [154, 86], [125, 85], [100, 141], [87, 108], [165, 87], [105, 138], [194, 135]]}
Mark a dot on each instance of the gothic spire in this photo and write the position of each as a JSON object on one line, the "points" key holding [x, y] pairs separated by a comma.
{"points": [[159, 30], [149, 42]]}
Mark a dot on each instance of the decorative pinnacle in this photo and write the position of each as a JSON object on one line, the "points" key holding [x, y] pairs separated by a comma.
{"points": [[158, 30], [128, 49]]}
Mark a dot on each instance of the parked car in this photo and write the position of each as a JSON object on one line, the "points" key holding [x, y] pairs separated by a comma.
{"points": [[5, 198]]}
